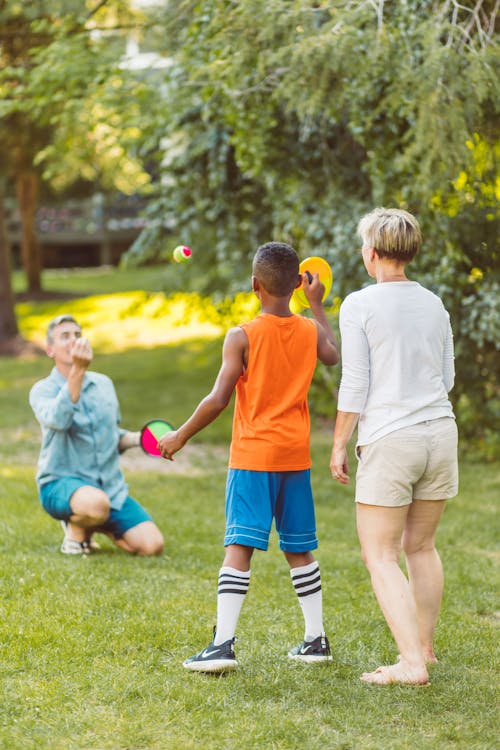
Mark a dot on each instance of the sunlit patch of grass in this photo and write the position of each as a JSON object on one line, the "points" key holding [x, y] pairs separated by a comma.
{"points": [[115, 322]]}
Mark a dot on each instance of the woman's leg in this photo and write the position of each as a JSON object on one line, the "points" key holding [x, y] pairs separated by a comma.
{"points": [[380, 531], [425, 571]]}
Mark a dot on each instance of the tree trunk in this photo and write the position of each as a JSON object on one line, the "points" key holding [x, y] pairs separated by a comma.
{"points": [[8, 322], [27, 197], [11, 341]]}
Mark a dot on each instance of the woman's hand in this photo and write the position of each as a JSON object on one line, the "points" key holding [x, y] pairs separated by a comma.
{"points": [[339, 465]]}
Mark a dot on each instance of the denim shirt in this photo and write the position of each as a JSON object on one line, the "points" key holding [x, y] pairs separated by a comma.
{"points": [[81, 439]]}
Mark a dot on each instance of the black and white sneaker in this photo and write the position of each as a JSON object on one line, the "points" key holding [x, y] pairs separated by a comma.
{"points": [[71, 547], [219, 658], [314, 651]]}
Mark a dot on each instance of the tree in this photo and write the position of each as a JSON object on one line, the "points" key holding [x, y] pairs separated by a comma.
{"points": [[61, 103], [68, 112], [319, 103], [294, 125], [9, 332]]}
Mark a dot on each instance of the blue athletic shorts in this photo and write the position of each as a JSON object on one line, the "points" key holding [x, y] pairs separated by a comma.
{"points": [[55, 498], [254, 498]]}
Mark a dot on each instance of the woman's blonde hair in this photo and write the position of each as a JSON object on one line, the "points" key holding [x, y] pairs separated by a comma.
{"points": [[392, 232]]}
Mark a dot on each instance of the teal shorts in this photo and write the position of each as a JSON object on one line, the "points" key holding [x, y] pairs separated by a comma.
{"points": [[56, 497], [254, 498]]}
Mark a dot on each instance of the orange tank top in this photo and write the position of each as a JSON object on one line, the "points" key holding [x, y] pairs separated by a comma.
{"points": [[271, 422]]}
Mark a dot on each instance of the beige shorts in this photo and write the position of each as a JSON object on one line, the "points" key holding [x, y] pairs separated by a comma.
{"points": [[415, 463]]}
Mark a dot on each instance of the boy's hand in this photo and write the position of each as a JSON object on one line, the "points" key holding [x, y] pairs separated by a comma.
{"points": [[313, 288], [170, 444]]}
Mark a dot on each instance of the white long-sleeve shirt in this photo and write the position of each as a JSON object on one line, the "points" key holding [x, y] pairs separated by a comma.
{"points": [[397, 358]]}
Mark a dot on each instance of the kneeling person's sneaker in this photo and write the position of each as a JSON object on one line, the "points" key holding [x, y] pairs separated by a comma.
{"points": [[312, 651], [67, 547], [219, 658], [70, 547]]}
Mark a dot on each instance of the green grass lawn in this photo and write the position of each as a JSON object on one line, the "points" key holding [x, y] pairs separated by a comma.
{"points": [[99, 280], [92, 649]]}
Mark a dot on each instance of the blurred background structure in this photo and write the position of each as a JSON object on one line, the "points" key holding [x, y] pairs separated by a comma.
{"points": [[88, 232]]}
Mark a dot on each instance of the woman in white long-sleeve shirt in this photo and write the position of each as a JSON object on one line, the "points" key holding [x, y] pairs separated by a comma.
{"points": [[397, 370]]}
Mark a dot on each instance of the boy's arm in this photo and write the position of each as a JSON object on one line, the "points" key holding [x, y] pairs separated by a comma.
{"points": [[328, 351], [209, 408]]}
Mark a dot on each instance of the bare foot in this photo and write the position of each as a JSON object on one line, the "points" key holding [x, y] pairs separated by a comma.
{"points": [[429, 656], [396, 674]]}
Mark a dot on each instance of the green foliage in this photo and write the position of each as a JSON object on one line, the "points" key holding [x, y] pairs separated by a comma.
{"points": [[67, 109], [287, 128], [294, 126], [465, 271], [92, 648], [318, 106]]}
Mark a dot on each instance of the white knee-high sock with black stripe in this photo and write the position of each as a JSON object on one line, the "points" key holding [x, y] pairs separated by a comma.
{"points": [[233, 585], [307, 584]]}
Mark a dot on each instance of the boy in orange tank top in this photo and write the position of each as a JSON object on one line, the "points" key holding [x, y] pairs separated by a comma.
{"points": [[270, 362]]}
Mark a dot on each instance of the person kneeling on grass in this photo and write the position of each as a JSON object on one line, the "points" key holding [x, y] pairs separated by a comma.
{"points": [[79, 477], [270, 362]]}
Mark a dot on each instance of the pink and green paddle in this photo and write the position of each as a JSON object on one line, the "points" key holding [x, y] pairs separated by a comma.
{"points": [[151, 433]]}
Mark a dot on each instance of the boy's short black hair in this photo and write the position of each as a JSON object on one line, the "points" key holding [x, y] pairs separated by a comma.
{"points": [[276, 266]]}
